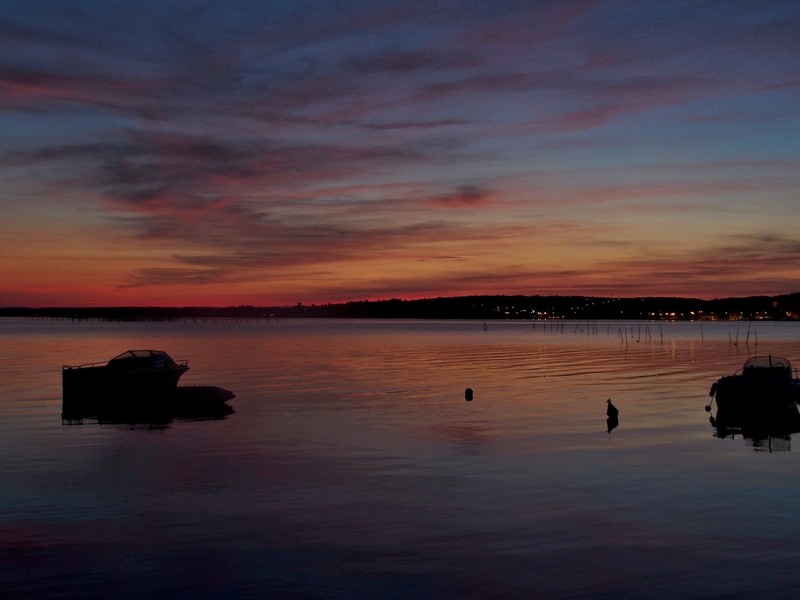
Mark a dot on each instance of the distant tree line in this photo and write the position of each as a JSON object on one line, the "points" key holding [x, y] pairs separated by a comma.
{"points": [[783, 307]]}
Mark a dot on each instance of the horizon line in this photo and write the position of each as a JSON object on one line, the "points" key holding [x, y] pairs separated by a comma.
{"points": [[366, 301]]}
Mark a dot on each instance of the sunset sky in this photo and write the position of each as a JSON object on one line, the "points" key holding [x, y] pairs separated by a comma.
{"points": [[274, 152]]}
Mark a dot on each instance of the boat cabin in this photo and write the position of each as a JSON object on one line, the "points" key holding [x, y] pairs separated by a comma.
{"points": [[143, 359]]}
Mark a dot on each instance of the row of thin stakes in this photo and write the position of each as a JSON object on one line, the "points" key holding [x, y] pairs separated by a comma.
{"points": [[634, 333]]}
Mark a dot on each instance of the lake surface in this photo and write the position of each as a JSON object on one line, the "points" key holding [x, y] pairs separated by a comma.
{"points": [[353, 467]]}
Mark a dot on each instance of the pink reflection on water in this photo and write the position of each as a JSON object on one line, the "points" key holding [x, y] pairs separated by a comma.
{"points": [[353, 465]]}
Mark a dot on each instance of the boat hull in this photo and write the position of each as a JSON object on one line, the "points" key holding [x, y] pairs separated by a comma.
{"points": [[103, 381], [743, 396]]}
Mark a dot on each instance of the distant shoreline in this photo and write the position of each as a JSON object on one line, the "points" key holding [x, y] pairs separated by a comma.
{"points": [[775, 308]]}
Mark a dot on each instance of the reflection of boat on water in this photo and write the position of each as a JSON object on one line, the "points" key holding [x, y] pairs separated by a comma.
{"points": [[138, 385], [758, 402], [193, 402], [760, 433]]}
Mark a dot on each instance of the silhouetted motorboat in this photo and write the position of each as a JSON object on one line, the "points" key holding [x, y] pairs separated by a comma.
{"points": [[763, 388], [759, 403], [138, 385], [131, 373]]}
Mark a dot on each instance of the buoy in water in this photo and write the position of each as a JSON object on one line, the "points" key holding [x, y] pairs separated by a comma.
{"points": [[468, 394], [611, 410]]}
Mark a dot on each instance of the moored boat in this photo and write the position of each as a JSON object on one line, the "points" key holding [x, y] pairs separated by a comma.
{"points": [[766, 387], [133, 372], [141, 385]]}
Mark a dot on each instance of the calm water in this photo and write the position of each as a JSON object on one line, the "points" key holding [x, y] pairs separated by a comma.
{"points": [[354, 468]]}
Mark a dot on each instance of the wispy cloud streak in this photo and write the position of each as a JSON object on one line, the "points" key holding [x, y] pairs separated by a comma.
{"points": [[296, 148]]}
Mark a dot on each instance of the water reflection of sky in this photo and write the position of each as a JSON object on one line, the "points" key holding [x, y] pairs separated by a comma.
{"points": [[353, 464]]}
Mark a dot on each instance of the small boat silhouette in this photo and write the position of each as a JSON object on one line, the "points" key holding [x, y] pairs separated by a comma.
{"points": [[764, 386], [138, 385]]}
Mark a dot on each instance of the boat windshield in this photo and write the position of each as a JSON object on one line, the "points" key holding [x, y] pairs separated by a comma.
{"points": [[141, 357], [767, 362]]}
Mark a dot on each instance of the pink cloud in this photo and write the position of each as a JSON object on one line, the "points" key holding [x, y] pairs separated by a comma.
{"points": [[466, 196]]}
